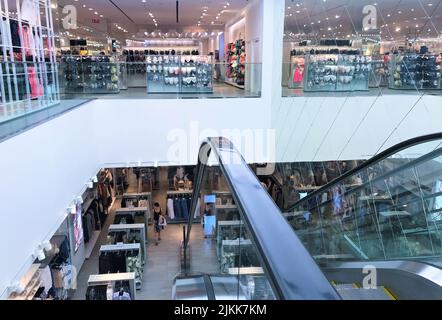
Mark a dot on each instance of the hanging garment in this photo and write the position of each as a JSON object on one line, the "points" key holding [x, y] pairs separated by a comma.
{"points": [[29, 11], [177, 208], [69, 276], [96, 292], [86, 231], [170, 210], [122, 296], [28, 44], [58, 278], [184, 209], [189, 203], [34, 83], [298, 75], [15, 36], [46, 278]]}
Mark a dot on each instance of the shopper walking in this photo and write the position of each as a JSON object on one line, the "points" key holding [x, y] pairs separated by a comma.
{"points": [[157, 217]]}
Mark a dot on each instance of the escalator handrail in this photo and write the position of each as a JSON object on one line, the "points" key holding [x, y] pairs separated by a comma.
{"points": [[289, 267], [377, 158]]}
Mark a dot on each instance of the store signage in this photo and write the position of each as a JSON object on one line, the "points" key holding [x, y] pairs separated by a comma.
{"points": [[95, 20]]}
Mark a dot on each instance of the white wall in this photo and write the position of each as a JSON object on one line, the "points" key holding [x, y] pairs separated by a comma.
{"points": [[340, 128], [42, 170], [45, 168]]}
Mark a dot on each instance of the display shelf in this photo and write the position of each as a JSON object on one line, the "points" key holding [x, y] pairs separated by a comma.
{"points": [[112, 278], [30, 281], [28, 69], [179, 74], [415, 72], [237, 253], [337, 72], [236, 58], [228, 230], [297, 72], [128, 228], [131, 247], [379, 76], [90, 75], [229, 82], [135, 212]]}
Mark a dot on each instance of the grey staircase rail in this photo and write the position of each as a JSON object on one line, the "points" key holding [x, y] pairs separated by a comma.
{"points": [[290, 268]]}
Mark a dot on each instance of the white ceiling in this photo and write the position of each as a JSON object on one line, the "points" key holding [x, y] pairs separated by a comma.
{"points": [[338, 18], [133, 16]]}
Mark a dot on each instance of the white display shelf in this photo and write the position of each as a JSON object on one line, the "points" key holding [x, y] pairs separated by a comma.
{"points": [[31, 282], [240, 86]]}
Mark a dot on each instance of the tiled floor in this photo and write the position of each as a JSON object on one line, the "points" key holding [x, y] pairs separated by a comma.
{"points": [[163, 261]]}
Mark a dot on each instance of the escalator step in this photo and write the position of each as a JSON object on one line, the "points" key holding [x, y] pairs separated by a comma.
{"points": [[351, 293]]}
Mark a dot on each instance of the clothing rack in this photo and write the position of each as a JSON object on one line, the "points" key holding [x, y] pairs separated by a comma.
{"points": [[179, 193], [113, 278], [134, 212], [184, 194], [120, 249], [127, 228]]}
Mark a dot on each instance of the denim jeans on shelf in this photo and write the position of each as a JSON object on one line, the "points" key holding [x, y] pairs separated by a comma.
{"points": [[184, 210], [177, 208]]}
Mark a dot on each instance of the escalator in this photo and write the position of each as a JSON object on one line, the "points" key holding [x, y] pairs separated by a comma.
{"points": [[375, 233]]}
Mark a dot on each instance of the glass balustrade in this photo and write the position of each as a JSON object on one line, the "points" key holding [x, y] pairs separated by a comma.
{"points": [[389, 209]]}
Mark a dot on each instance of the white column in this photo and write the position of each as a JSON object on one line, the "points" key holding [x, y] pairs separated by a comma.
{"points": [[272, 45]]}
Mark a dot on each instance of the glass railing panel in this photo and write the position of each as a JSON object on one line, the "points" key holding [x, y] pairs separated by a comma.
{"points": [[222, 246], [175, 77], [351, 72], [391, 212], [41, 90]]}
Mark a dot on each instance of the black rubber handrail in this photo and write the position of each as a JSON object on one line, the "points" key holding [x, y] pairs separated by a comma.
{"points": [[289, 267], [379, 157]]}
